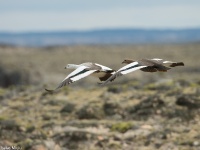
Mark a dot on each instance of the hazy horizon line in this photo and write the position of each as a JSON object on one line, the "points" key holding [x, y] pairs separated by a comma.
{"points": [[100, 29]]}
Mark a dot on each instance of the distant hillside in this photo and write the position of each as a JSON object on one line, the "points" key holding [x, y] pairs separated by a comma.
{"points": [[104, 36]]}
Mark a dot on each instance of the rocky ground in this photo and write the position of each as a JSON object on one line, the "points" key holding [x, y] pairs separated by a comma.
{"points": [[139, 111], [162, 115]]}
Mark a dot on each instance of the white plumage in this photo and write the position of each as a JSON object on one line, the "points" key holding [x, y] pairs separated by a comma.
{"points": [[84, 70]]}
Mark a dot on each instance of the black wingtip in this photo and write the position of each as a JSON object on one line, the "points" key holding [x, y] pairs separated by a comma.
{"points": [[177, 64], [181, 64], [50, 91]]}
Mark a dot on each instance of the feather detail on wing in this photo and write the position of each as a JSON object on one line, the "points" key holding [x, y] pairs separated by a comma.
{"points": [[77, 74], [124, 70], [104, 68]]}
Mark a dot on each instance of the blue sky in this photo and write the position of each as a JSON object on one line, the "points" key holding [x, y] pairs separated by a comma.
{"points": [[48, 15]]}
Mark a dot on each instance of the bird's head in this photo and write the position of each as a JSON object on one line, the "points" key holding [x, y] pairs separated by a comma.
{"points": [[127, 61], [67, 67], [72, 66]]}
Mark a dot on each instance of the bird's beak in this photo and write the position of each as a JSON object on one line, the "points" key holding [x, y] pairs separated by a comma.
{"points": [[65, 67]]}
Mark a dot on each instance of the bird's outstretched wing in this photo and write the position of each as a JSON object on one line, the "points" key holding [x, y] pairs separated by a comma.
{"points": [[173, 64], [169, 63], [103, 68], [76, 75], [124, 70]]}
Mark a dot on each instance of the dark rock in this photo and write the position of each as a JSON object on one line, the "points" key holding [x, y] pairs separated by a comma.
{"points": [[46, 117], [30, 129], [91, 111], [111, 108], [72, 139], [9, 125], [188, 102], [68, 108], [114, 89], [183, 113], [48, 125], [146, 108], [52, 102]]}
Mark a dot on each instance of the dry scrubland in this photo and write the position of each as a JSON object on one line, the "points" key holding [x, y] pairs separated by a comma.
{"points": [[139, 111]]}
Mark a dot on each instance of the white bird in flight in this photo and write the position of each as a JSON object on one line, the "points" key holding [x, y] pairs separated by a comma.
{"points": [[84, 70]]}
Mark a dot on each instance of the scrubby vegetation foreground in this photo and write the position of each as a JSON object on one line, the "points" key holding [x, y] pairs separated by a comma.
{"points": [[139, 111], [162, 115]]}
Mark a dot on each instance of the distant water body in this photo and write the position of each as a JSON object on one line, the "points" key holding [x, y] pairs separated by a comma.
{"points": [[103, 36]]}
